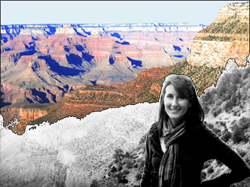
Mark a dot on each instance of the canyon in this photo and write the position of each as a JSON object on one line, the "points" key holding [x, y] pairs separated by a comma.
{"points": [[71, 141], [87, 99], [98, 94], [75, 152], [41, 63], [227, 37]]}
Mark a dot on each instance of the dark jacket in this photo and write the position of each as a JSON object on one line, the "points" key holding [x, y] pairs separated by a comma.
{"points": [[195, 148]]}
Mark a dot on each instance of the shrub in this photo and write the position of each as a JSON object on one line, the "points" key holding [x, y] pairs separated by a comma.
{"points": [[112, 182], [208, 97], [127, 154], [223, 123], [241, 152], [113, 169], [143, 139], [119, 167], [138, 176], [119, 175], [135, 165], [205, 108], [141, 164], [118, 155], [238, 135], [129, 163], [241, 106], [244, 123], [228, 106], [217, 111], [94, 183], [217, 131], [234, 100], [125, 172], [209, 125], [246, 73], [226, 135], [219, 102]]}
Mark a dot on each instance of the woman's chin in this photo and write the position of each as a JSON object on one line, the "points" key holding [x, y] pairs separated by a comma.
{"points": [[175, 119]]}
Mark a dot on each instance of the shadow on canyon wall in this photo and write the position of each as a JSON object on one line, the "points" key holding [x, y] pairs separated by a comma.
{"points": [[135, 62], [61, 70]]}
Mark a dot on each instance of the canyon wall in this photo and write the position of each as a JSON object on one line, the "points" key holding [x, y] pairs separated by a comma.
{"points": [[74, 152], [87, 99], [44, 156], [98, 55], [40, 63], [227, 37], [22, 113]]}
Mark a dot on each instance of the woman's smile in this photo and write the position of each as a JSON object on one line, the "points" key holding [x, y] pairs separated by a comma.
{"points": [[174, 110]]}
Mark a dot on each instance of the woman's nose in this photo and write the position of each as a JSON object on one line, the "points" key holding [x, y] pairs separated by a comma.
{"points": [[174, 102]]}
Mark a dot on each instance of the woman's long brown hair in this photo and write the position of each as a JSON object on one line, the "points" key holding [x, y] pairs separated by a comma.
{"points": [[185, 88]]}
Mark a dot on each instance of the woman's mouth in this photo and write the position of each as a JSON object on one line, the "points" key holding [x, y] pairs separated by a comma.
{"points": [[174, 109]]}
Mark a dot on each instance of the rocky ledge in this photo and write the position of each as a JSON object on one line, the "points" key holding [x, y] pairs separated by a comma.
{"points": [[227, 37]]}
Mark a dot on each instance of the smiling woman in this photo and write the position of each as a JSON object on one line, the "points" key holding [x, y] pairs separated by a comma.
{"points": [[179, 143]]}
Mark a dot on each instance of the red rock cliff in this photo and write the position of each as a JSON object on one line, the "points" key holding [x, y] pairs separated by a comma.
{"points": [[24, 115]]}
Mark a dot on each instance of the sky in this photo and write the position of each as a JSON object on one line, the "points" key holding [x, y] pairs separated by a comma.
{"points": [[101, 12]]}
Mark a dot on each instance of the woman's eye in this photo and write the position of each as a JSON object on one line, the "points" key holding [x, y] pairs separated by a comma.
{"points": [[170, 96]]}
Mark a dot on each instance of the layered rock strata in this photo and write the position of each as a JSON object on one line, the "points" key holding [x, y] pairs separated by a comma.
{"points": [[88, 99], [39, 61], [227, 37]]}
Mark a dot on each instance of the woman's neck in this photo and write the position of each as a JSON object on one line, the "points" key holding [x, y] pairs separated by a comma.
{"points": [[175, 122]]}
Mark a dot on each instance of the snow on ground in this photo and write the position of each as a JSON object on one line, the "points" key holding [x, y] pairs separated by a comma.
{"points": [[72, 151]]}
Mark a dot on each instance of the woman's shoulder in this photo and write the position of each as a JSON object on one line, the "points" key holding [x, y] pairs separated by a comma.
{"points": [[202, 132], [154, 128], [207, 132]]}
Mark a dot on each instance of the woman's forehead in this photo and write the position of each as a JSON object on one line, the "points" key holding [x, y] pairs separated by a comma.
{"points": [[170, 89], [178, 90]]}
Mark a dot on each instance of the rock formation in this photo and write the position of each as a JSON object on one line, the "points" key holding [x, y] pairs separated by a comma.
{"points": [[39, 61], [104, 55], [22, 113], [227, 37], [87, 99], [43, 156], [74, 152]]}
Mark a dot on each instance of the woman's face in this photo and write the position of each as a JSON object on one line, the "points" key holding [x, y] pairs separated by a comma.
{"points": [[175, 106]]}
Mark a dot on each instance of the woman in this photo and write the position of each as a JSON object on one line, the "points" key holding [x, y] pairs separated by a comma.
{"points": [[178, 144]]}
